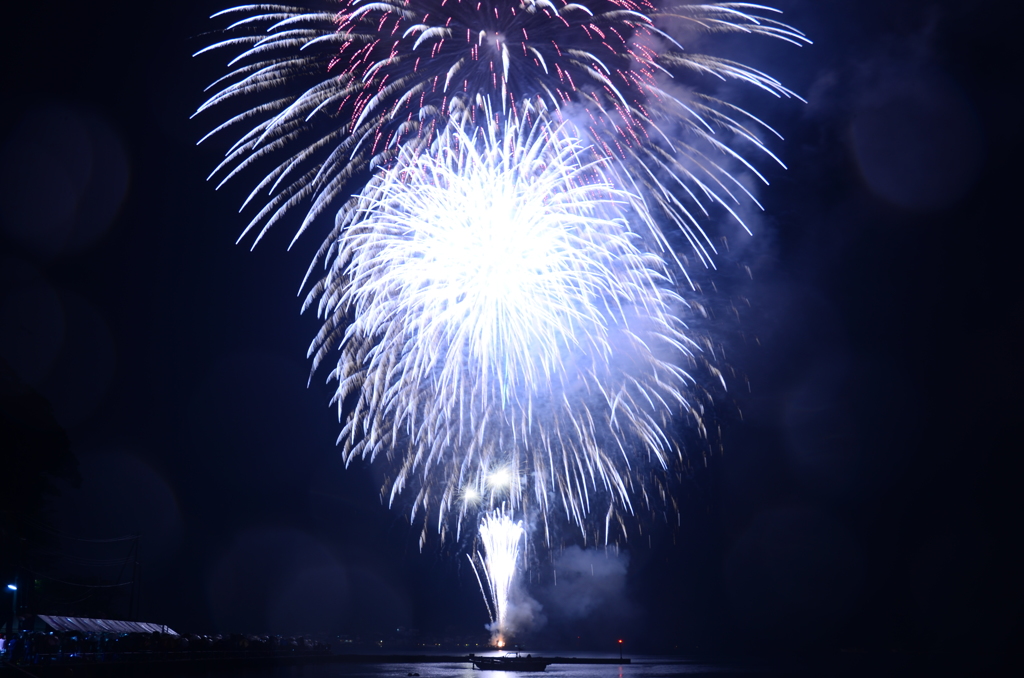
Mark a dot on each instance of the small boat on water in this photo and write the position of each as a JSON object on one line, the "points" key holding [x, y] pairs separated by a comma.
{"points": [[511, 661]]}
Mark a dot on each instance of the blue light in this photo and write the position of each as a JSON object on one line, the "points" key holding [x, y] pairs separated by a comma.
{"points": [[12, 587]]}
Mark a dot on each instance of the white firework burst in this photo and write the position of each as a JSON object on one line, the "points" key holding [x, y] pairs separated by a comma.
{"points": [[504, 335]]}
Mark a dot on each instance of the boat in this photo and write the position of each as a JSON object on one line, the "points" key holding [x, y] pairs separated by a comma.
{"points": [[511, 661]]}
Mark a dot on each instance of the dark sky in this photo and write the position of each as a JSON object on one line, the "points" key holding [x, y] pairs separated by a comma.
{"points": [[866, 493]]}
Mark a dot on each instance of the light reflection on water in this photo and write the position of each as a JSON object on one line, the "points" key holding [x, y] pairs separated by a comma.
{"points": [[640, 668]]}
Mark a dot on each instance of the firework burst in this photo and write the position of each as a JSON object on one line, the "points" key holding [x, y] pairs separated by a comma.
{"points": [[503, 333], [502, 297]]}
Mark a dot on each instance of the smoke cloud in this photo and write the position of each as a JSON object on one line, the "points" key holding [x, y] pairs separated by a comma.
{"points": [[587, 581], [524, 614], [586, 601]]}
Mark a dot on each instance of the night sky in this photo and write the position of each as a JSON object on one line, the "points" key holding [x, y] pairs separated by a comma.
{"points": [[862, 490]]}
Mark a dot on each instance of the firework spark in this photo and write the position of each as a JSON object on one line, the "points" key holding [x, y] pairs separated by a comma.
{"points": [[500, 538], [502, 333]]}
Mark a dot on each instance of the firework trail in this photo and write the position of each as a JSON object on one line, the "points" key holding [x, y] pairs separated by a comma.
{"points": [[337, 91], [502, 333], [499, 537]]}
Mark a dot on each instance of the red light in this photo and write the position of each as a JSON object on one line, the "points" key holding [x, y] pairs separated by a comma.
{"points": [[620, 641]]}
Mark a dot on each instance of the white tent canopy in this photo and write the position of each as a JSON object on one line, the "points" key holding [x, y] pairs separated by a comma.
{"points": [[101, 625]]}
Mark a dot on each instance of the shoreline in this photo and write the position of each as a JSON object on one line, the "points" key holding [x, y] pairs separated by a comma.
{"points": [[167, 664]]}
